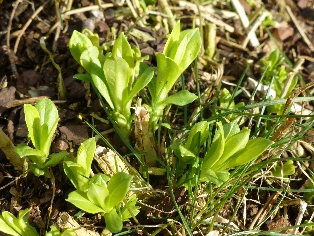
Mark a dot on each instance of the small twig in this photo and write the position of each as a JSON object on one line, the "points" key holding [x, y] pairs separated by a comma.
{"points": [[264, 210], [89, 8], [288, 81], [53, 185], [300, 29], [206, 14], [166, 9], [8, 184], [251, 32], [27, 24], [10, 53], [245, 22]]}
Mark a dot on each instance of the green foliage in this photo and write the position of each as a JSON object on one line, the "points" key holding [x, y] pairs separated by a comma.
{"points": [[19, 226], [105, 198], [99, 194], [309, 196], [226, 101], [115, 74], [179, 52], [41, 121], [230, 147], [274, 69], [78, 172], [283, 171]]}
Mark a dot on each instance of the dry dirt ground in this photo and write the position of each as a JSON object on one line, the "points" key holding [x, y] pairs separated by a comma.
{"points": [[27, 74]]}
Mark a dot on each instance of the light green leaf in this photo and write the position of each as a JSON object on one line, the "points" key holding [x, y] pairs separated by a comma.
{"points": [[100, 179], [197, 136], [181, 98], [88, 57], [231, 129], [116, 71], [253, 149], [78, 44], [55, 158], [100, 83], [75, 173], [216, 150], [5, 228], [33, 124], [97, 194], [130, 207], [188, 48], [80, 200], [48, 120], [216, 177], [122, 49], [35, 155], [83, 77], [288, 168], [85, 155], [113, 221], [144, 79], [10, 223], [38, 171], [172, 40], [165, 77], [233, 145], [118, 186]]}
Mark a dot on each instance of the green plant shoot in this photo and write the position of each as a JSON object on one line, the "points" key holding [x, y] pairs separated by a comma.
{"points": [[79, 171], [180, 51], [105, 198], [41, 121], [230, 147], [114, 74], [19, 226]]}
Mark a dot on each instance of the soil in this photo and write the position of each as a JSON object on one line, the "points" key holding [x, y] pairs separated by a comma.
{"points": [[27, 74]]}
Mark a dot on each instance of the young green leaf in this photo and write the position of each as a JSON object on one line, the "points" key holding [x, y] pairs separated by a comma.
{"points": [[216, 177], [78, 44], [180, 98], [49, 117], [33, 124], [55, 158], [85, 155], [75, 173], [188, 48], [122, 49], [35, 155], [98, 78], [234, 144], [88, 57], [11, 225], [165, 77], [230, 129], [172, 40], [97, 194], [116, 71], [216, 150], [130, 209], [144, 79], [80, 200], [253, 149], [197, 136], [118, 186], [113, 221]]}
